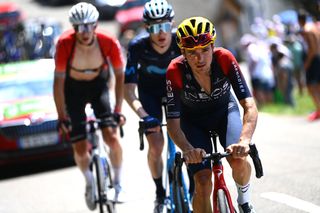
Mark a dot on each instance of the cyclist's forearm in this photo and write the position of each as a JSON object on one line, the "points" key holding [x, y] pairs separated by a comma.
{"points": [[133, 101], [177, 135], [58, 95], [250, 117], [119, 89]]}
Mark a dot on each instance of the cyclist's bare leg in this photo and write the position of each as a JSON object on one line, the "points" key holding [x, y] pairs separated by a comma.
{"points": [[241, 170], [112, 139], [82, 156], [156, 143], [202, 191]]}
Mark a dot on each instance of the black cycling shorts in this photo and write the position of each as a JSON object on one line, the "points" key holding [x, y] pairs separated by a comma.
{"points": [[226, 122], [77, 95], [313, 72], [152, 104]]}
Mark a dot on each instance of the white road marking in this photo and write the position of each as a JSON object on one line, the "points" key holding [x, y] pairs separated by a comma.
{"points": [[291, 201]]}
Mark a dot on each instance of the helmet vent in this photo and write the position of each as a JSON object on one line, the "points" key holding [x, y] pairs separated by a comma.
{"points": [[199, 30], [181, 32], [189, 30], [193, 22], [207, 29]]}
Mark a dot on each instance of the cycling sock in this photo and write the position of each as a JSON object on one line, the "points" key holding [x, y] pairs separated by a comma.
{"points": [[160, 192], [88, 176], [117, 175], [243, 193]]}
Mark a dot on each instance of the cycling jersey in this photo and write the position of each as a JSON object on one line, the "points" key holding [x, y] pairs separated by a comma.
{"points": [[80, 92], [184, 94], [200, 112], [147, 68], [110, 48]]}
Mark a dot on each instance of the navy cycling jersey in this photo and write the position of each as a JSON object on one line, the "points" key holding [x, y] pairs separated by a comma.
{"points": [[146, 67], [184, 94]]}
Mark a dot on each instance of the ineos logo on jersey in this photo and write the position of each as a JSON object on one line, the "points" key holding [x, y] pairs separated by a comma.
{"points": [[218, 92], [169, 92]]}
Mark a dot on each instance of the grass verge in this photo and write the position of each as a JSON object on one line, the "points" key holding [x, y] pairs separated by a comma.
{"points": [[303, 106]]}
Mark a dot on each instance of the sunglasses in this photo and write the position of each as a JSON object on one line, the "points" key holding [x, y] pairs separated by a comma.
{"points": [[201, 40], [156, 28], [82, 28]]}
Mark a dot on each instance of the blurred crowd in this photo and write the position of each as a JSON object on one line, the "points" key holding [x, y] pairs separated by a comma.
{"points": [[275, 52], [24, 38]]}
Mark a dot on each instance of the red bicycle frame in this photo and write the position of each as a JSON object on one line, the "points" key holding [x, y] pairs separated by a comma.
{"points": [[219, 183]]}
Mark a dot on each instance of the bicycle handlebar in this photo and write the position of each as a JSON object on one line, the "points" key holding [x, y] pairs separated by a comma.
{"points": [[142, 129], [218, 155], [109, 122]]}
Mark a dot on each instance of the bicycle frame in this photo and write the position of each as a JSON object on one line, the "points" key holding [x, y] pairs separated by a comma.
{"points": [[220, 184], [170, 174], [169, 166], [102, 167]]}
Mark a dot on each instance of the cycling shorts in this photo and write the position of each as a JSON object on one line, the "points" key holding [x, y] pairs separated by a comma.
{"points": [[313, 72], [151, 103], [226, 123], [77, 95]]}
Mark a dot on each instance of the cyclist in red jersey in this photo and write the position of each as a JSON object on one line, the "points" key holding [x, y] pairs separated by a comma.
{"points": [[83, 59], [200, 100]]}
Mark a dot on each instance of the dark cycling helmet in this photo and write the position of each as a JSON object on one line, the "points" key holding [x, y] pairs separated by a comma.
{"points": [[195, 32], [157, 10], [83, 13]]}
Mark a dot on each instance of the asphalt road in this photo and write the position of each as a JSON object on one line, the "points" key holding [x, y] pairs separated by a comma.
{"points": [[289, 148]]}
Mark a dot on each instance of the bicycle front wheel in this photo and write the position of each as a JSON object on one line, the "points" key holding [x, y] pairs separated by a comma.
{"points": [[97, 167], [223, 202], [180, 198]]}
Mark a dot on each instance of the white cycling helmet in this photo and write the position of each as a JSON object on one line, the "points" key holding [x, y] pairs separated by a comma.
{"points": [[83, 13], [155, 10]]}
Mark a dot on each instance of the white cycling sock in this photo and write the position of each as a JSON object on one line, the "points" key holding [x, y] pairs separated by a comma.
{"points": [[243, 193], [88, 176], [117, 175]]}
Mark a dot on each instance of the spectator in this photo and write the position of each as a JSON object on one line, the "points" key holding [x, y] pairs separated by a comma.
{"points": [[311, 35], [260, 69]]}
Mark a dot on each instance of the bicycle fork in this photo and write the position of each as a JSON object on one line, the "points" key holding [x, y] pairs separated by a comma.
{"points": [[220, 184]]}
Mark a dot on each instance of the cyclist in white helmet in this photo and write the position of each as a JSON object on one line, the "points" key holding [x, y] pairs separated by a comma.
{"points": [[81, 76], [148, 58]]}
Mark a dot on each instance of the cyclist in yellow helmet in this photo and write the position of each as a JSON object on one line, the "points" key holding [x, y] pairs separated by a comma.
{"points": [[200, 100]]}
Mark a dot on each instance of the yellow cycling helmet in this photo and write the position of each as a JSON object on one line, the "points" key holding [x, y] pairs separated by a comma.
{"points": [[195, 32]]}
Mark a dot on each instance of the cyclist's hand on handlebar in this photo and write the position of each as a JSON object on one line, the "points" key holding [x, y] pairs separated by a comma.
{"points": [[119, 118], [194, 155], [238, 150], [151, 124], [64, 126]]}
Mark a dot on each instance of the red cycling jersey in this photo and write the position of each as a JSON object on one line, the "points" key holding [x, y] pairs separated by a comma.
{"points": [[109, 45]]}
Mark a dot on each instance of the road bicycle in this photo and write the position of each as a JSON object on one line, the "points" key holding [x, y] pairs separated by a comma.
{"points": [[221, 198], [178, 196], [101, 168]]}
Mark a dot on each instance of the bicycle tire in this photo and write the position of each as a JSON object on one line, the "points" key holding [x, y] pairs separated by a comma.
{"points": [[180, 199], [223, 202], [111, 208], [97, 165]]}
